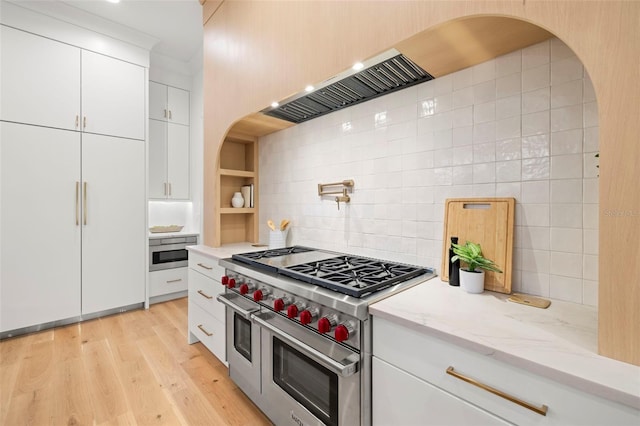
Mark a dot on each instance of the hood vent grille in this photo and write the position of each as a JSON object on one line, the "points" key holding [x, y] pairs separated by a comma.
{"points": [[395, 73]]}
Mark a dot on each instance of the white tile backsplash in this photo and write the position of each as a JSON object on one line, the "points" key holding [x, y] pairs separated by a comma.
{"points": [[522, 125]]}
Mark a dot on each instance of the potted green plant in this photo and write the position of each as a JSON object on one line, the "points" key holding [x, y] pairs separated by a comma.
{"points": [[472, 277]]}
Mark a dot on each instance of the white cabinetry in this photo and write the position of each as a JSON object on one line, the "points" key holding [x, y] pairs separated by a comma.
{"points": [[73, 191], [52, 84], [424, 361], [167, 281], [168, 142], [206, 314]]}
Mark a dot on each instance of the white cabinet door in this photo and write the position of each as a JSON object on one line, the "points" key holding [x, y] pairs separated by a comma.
{"points": [[114, 238], [178, 161], [400, 398], [158, 101], [40, 80], [178, 104], [40, 249], [158, 187], [113, 97]]}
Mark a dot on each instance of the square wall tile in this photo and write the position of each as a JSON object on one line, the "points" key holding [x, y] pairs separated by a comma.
{"points": [[443, 85], [590, 216], [591, 190], [535, 284], [534, 215], [462, 136], [566, 142], [509, 107], [484, 132], [566, 215], [508, 149], [463, 175], [535, 101], [508, 128], [484, 190], [566, 70], [509, 63], [590, 114], [566, 118], [535, 168], [462, 78], [484, 71], [566, 264], [484, 173], [535, 192], [463, 117], [426, 89], [509, 85], [463, 97], [462, 155], [590, 267], [591, 139], [442, 157], [590, 166], [508, 171], [568, 240], [590, 293], [535, 78], [535, 261], [566, 94], [484, 153], [443, 139], [509, 189], [565, 288], [559, 50], [443, 103], [566, 166], [530, 237], [484, 92], [536, 123], [484, 112], [536, 55], [590, 237], [566, 191]]}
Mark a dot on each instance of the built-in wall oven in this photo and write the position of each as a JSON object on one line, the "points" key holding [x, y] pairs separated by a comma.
{"points": [[170, 252]]}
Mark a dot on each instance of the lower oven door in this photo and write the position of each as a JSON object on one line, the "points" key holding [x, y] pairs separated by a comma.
{"points": [[243, 344], [307, 379]]}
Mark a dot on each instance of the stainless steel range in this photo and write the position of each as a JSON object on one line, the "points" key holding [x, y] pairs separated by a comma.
{"points": [[299, 332]]}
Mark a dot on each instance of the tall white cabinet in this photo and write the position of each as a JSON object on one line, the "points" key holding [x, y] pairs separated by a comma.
{"points": [[168, 142], [73, 208]]}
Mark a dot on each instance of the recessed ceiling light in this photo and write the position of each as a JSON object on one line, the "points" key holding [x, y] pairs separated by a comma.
{"points": [[309, 88], [274, 104], [357, 66]]}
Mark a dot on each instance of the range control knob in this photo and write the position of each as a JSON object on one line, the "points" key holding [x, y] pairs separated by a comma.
{"points": [[280, 303], [308, 315], [260, 294], [292, 310], [343, 331], [224, 280], [326, 323], [246, 288], [231, 283]]}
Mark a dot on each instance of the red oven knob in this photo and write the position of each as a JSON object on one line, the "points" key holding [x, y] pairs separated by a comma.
{"points": [[259, 295], [308, 315], [292, 311], [325, 323], [245, 288], [224, 280], [231, 283], [280, 303], [342, 332]]}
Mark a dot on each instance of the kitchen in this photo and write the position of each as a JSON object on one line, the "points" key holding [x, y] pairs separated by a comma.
{"points": [[325, 214]]}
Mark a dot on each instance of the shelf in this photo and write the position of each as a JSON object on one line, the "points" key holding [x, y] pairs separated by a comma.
{"points": [[233, 210], [238, 173]]}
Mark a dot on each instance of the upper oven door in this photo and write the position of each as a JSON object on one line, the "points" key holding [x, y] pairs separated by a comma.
{"points": [[306, 378]]}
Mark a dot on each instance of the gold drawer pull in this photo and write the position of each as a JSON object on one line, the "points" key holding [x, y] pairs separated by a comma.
{"points": [[204, 331], [205, 266], [542, 410], [203, 294], [174, 281]]}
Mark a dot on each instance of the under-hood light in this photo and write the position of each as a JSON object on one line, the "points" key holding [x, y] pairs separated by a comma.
{"points": [[357, 66], [274, 104], [309, 88]]}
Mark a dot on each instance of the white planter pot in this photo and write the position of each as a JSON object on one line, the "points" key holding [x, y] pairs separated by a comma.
{"points": [[472, 282]]}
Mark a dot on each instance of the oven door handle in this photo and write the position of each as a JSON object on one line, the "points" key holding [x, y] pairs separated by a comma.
{"points": [[225, 299], [343, 370]]}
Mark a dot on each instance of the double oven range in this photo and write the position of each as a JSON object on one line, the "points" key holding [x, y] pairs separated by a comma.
{"points": [[299, 333]]}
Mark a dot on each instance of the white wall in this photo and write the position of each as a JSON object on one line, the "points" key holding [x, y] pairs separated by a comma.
{"points": [[523, 125]]}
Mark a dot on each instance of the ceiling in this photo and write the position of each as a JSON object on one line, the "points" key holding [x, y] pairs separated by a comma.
{"points": [[172, 27]]}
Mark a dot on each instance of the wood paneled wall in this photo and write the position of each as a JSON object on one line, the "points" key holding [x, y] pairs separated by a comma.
{"points": [[259, 51]]}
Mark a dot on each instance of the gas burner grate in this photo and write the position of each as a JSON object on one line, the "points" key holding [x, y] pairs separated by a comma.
{"points": [[258, 258], [353, 275]]}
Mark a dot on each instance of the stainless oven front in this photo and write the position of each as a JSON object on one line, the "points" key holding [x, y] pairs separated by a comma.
{"points": [[168, 253], [306, 378]]}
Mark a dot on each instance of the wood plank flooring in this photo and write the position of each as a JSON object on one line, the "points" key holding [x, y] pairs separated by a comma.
{"points": [[134, 368]]}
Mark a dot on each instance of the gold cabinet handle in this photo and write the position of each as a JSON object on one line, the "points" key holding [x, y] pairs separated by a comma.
{"points": [[84, 202], [170, 115], [84, 122], [77, 203], [542, 410], [204, 331], [77, 121], [174, 281], [169, 189], [165, 188], [205, 266], [165, 113], [205, 295]]}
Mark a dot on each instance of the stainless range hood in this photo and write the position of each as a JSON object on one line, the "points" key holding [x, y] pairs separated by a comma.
{"points": [[380, 75]]}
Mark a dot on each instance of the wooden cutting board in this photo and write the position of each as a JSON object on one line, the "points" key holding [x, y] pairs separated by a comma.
{"points": [[488, 222]]}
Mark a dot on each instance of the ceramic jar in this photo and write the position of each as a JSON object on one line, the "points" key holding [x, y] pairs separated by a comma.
{"points": [[237, 201]]}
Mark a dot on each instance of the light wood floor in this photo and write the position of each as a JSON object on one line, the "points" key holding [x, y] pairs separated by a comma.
{"points": [[134, 368]]}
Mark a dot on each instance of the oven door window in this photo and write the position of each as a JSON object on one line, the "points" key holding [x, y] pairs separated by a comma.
{"points": [[242, 336], [309, 383], [169, 256]]}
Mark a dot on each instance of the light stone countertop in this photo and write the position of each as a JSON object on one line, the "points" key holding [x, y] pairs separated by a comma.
{"points": [[183, 233], [559, 342], [226, 250]]}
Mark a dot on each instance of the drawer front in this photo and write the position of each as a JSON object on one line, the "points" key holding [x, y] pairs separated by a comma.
{"points": [[203, 291], [206, 265], [428, 358], [167, 281], [208, 330]]}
